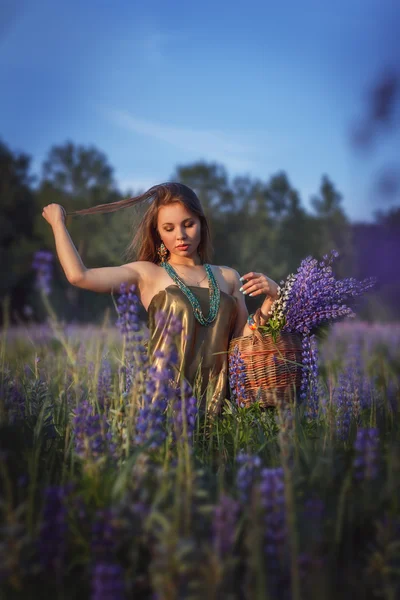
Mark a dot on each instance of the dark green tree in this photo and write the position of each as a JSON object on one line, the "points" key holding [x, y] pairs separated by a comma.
{"points": [[332, 229], [79, 177], [17, 214]]}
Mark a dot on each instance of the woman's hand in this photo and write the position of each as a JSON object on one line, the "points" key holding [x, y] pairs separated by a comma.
{"points": [[255, 284], [54, 214]]}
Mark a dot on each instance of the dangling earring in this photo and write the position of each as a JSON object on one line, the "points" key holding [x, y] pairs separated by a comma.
{"points": [[162, 252]]}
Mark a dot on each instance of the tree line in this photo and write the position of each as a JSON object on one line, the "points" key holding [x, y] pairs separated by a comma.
{"points": [[256, 226]]}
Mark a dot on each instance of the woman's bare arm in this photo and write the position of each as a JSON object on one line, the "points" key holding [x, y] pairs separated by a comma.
{"points": [[103, 279], [108, 279], [68, 255]]}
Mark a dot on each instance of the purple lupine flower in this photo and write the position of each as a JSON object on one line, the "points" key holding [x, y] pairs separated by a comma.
{"points": [[150, 424], [52, 542], [184, 410], [316, 296], [107, 582], [359, 385], [309, 386], [272, 490], [136, 358], [43, 265], [237, 376], [353, 392], [312, 402], [104, 384], [160, 388], [104, 536], [249, 470], [91, 431], [366, 448], [224, 525]]}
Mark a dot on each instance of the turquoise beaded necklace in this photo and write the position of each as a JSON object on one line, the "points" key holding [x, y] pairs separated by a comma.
{"points": [[214, 294]]}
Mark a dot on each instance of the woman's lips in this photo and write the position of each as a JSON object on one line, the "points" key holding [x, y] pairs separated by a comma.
{"points": [[185, 247]]}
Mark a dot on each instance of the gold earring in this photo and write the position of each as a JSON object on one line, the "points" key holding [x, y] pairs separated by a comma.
{"points": [[162, 252]]}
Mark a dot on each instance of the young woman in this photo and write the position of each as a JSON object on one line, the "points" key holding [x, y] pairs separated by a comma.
{"points": [[172, 273]]}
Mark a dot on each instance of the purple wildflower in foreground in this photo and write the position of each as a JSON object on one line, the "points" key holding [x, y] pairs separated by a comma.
{"points": [[107, 582], [224, 525], [160, 386], [312, 403], [272, 493], [237, 376], [353, 392], [104, 536], [53, 533], [344, 407], [128, 323], [359, 386], [309, 380], [366, 453], [184, 411], [42, 263], [272, 488], [150, 424], [91, 431], [246, 475]]}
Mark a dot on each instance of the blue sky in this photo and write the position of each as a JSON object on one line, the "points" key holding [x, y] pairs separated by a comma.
{"points": [[258, 87]]}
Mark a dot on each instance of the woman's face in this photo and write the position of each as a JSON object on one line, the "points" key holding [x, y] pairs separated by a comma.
{"points": [[176, 226]]}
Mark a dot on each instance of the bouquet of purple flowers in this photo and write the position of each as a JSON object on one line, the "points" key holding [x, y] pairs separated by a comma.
{"points": [[313, 297], [307, 301]]}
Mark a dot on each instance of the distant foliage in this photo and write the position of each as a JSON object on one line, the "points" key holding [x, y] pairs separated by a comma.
{"points": [[259, 226]]}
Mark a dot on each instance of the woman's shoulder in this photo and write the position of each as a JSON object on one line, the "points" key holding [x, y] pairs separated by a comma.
{"points": [[231, 276], [145, 268], [228, 271]]}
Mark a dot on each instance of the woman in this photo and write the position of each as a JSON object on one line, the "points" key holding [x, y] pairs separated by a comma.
{"points": [[173, 274]]}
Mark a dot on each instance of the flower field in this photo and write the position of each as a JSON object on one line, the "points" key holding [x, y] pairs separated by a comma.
{"points": [[114, 485]]}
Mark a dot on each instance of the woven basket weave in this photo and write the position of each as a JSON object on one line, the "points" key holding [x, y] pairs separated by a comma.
{"points": [[273, 370]]}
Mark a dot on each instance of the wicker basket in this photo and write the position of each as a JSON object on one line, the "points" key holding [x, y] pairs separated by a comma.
{"points": [[273, 369]]}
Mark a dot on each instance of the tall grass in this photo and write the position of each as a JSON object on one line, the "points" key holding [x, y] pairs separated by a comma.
{"points": [[247, 504]]}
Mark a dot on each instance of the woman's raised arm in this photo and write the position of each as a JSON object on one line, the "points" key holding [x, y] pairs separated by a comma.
{"points": [[104, 279]]}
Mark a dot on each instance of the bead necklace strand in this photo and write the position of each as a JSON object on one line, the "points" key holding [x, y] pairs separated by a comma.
{"points": [[197, 282], [214, 294]]}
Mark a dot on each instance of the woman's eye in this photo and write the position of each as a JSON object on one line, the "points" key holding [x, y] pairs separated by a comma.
{"points": [[187, 225]]}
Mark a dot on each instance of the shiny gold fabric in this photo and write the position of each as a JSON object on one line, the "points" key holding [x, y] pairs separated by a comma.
{"points": [[197, 342]]}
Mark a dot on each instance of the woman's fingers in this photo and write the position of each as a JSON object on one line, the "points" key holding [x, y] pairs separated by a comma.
{"points": [[253, 290], [255, 284], [249, 276], [252, 283]]}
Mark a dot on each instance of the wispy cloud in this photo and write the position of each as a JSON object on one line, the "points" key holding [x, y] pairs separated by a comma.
{"points": [[206, 144]]}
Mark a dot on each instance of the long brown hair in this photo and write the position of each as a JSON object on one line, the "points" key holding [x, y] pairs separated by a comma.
{"points": [[146, 240]]}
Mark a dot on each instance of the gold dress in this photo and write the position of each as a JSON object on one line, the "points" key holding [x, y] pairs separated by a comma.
{"points": [[198, 343]]}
